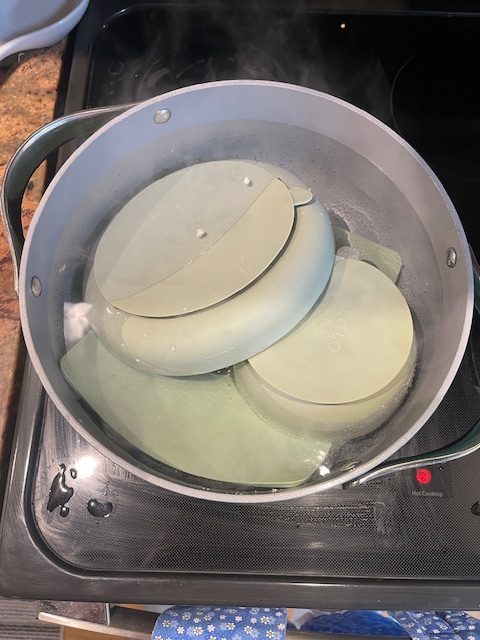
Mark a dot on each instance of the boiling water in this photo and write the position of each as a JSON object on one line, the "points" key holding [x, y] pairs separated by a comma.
{"points": [[356, 194]]}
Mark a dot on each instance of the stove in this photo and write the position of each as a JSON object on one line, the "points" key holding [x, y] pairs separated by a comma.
{"points": [[408, 540]]}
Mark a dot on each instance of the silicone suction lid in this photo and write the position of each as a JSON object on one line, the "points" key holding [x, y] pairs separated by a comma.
{"points": [[335, 421], [354, 342], [200, 425], [240, 326], [236, 329], [193, 238]]}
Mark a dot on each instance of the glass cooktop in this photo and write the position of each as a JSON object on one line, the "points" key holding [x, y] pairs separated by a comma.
{"points": [[139, 543], [413, 73]]}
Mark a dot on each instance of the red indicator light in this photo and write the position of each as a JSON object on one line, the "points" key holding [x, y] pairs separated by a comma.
{"points": [[423, 476]]}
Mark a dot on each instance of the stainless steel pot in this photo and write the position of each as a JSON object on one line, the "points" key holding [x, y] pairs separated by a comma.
{"points": [[363, 172]]}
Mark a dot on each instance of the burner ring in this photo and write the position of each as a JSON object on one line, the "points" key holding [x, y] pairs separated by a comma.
{"points": [[173, 71]]}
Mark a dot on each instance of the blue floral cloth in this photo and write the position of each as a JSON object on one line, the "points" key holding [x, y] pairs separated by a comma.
{"points": [[418, 625], [445, 625], [221, 623], [257, 623]]}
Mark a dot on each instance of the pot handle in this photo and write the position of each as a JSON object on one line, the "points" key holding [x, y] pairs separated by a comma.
{"points": [[462, 447], [30, 155], [467, 444]]}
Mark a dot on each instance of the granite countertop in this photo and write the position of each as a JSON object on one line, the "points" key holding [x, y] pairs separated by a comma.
{"points": [[28, 89]]}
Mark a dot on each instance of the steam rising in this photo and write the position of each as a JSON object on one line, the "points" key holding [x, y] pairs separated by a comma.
{"points": [[184, 45]]}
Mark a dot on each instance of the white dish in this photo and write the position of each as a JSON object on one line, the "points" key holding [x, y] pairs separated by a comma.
{"points": [[31, 24]]}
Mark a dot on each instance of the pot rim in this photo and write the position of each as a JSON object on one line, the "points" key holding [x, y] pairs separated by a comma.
{"points": [[267, 495]]}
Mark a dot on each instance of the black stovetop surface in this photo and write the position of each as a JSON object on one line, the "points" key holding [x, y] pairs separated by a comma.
{"points": [[415, 73], [391, 543]]}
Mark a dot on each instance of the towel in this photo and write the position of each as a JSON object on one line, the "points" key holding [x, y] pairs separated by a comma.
{"points": [[418, 625], [221, 623], [444, 625], [368, 623]]}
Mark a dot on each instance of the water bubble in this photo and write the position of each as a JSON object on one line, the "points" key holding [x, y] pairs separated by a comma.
{"points": [[99, 509], [59, 493]]}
